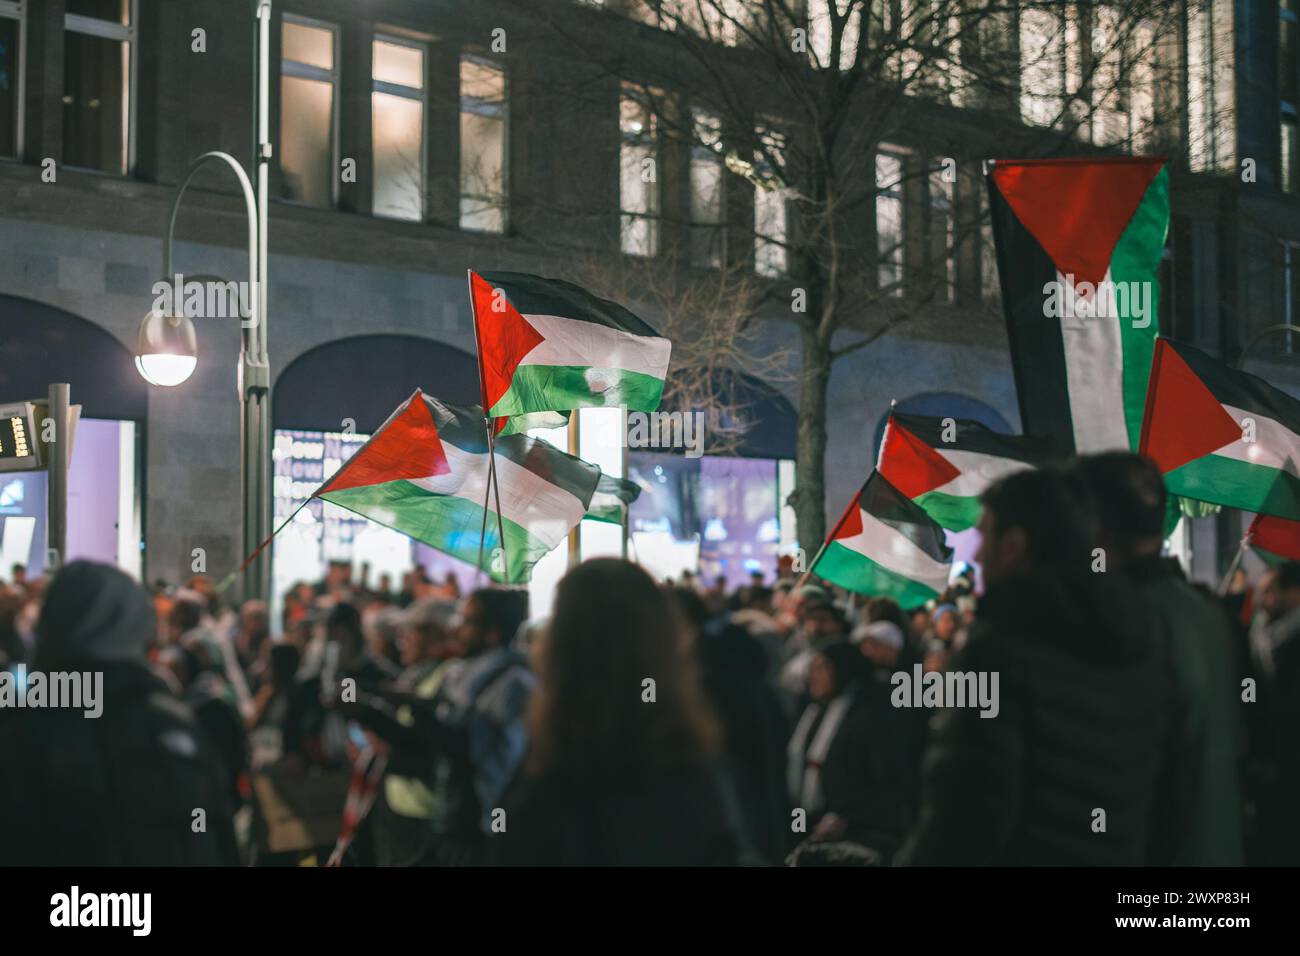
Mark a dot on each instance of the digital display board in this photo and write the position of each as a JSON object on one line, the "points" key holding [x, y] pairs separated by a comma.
{"points": [[19, 443], [14, 441]]}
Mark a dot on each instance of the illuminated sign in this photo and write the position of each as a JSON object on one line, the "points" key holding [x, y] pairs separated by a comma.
{"points": [[22, 447], [19, 445]]}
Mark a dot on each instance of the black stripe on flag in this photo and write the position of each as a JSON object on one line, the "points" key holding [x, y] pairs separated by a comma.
{"points": [[1250, 393], [463, 427], [977, 437], [887, 504], [1037, 348], [534, 295]]}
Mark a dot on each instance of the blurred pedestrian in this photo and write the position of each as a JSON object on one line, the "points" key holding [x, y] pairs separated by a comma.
{"points": [[1069, 771], [622, 761], [121, 789]]}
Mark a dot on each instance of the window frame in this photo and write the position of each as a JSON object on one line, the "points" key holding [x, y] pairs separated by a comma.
{"points": [[403, 92], [127, 33], [305, 71], [484, 109], [652, 139], [894, 192], [16, 10], [713, 156]]}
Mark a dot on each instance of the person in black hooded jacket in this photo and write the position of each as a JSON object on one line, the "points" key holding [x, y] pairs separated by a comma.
{"points": [[1076, 767], [120, 789]]}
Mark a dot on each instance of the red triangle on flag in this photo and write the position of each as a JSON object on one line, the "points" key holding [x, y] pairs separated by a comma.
{"points": [[851, 523], [407, 446], [1077, 209], [910, 465], [1278, 535], [1183, 419], [504, 338]]}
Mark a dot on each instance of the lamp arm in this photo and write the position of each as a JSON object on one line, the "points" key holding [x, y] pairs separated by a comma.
{"points": [[250, 210]]}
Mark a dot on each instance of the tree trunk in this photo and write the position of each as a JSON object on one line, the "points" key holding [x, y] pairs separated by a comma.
{"points": [[809, 497]]}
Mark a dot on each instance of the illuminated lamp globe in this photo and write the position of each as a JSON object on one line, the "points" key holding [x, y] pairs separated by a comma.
{"points": [[167, 352]]}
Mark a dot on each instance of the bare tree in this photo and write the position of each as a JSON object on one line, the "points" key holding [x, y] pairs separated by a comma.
{"points": [[800, 99]]}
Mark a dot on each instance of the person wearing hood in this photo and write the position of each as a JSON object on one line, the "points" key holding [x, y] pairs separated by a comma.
{"points": [[846, 766], [124, 788], [1072, 770]]}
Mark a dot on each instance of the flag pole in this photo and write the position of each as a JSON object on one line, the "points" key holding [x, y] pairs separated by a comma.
{"points": [[490, 431], [829, 538], [575, 445], [1236, 559]]}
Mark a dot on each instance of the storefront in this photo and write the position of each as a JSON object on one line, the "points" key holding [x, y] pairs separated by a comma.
{"points": [[720, 514], [326, 404], [43, 344]]}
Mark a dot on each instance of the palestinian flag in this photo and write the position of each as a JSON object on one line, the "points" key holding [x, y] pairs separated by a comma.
{"points": [[886, 545], [1276, 539], [944, 464], [425, 473], [1079, 243], [612, 499], [547, 346], [1221, 435]]}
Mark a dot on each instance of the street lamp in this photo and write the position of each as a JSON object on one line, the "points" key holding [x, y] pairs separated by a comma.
{"points": [[167, 352]]}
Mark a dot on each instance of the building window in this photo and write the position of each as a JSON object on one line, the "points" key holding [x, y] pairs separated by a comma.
{"points": [[11, 78], [1109, 121], [397, 117], [1288, 77], [889, 223], [1042, 66], [308, 111], [771, 257], [708, 231], [1140, 71], [482, 145], [943, 260], [638, 177], [990, 287], [98, 69], [1211, 127]]}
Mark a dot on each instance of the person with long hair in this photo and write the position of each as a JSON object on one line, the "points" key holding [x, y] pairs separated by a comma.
{"points": [[621, 767]]}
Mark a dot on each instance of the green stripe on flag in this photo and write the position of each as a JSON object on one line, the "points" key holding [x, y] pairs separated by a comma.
{"points": [[954, 512], [1238, 484], [857, 573], [1136, 258], [450, 524], [539, 388]]}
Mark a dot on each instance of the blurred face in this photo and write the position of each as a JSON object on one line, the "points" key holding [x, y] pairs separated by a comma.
{"points": [[1002, 554], [879, 653], [414, 644], [472, 634], [945, 626], [821, 679], [822, 622], [1276, 600]]}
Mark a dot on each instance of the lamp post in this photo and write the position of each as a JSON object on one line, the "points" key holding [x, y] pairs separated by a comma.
{"points": [[167, 352]]}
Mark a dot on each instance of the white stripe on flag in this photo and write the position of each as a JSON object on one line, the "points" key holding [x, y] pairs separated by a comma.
{"points": [[574, 342], [978, 471], [1094, 371], [1275, 445], [894, 551], [545, 510]]}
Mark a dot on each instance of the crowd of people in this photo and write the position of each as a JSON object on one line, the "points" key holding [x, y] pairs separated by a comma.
{"points": [[1141, 720]]}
